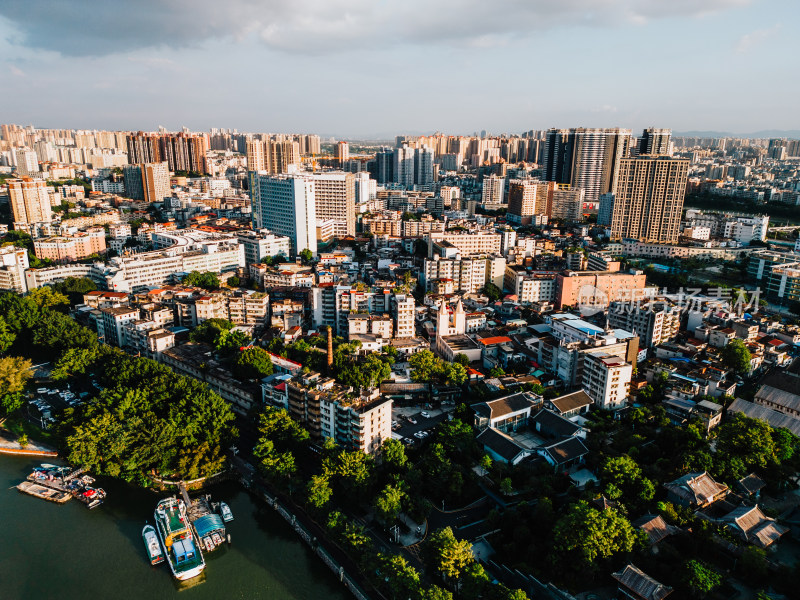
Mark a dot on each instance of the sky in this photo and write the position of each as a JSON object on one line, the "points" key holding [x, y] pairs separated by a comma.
{"points": [[378, 68]]}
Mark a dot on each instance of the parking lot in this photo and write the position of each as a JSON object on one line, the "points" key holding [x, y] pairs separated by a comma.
{"points": [[410, 421]]}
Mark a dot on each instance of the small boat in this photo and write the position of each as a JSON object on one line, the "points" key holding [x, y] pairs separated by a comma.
{"points": [[225, 512], [154, 552]]}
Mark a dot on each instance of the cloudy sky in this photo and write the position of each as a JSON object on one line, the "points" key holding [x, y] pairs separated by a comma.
{"points": [[381, 67]]}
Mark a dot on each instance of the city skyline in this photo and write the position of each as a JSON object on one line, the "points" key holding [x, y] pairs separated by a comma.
{"points": [[363, 71]]}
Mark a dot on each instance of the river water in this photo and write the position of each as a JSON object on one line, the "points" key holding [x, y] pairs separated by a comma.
{"points": [[68, 552]]}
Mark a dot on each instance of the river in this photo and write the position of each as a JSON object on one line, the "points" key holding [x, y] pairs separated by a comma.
{"points": [[69, 552]]}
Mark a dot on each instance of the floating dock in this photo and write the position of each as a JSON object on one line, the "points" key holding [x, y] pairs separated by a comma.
{"points": [[74, 484], [45, 493]]}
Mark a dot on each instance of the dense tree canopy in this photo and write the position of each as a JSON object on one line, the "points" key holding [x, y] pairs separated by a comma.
{"points": [[15, 372], [427, 367], [206, 280], [252, 363], [148, 420], [74, 288], [736, 356], [584, 535]]}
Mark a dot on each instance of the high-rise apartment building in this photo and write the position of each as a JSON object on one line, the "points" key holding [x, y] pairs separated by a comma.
{"points": [[272, 156], [384, 165], [403, 167], [528, 197], [155, 181], [183, 152], [334, 198], [648, 199], [493, 190], [655, 141], [132, 178], [585, 158], [286, 205], [27, 162], [423, 166], [341, 152], [566, 204], [29, 200]]}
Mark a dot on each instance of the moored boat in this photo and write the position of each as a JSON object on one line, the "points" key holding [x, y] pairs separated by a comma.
{"points": [[153, 546], [184, 556], [226, 512]]}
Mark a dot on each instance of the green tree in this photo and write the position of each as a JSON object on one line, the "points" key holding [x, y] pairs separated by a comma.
{"points": [[306, 256], [448, 556], [400, 579], [492, 292], [749, 440], [700, 578], [394, 454], [462, 359], [389, 503], [506, 487], [276, 425], [486, 463], [209, 330], [7, 336], [623, 479], [230, 340], [274, 464], [423, 365], [436, 593], [736, 356], [74, 288], [46, 298], [206, 280], [252, 363], [319, 491], [233, 281], [496, 372], [15, 372], [585, 535]]}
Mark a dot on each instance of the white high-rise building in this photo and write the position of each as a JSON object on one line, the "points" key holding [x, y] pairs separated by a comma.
{"points": [[606, 379], [286, 205], [366, 189], [404, 166], [493, 189], [334, 198]]}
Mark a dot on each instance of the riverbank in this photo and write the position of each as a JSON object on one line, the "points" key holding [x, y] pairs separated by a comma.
{"points": [[10, 445]]}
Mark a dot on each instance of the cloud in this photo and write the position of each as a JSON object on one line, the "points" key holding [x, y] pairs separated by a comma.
{"points": [[16, 71], [102, 27], [755, 38]]}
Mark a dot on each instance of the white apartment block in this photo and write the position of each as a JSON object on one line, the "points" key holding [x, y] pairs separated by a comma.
{"points": [[13, 263], [469, 243], [468, 275], [286, 205], [259, 245], [606, 380]]}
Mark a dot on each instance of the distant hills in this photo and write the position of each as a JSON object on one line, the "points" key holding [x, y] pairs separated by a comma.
{"points": [[766, 133]]}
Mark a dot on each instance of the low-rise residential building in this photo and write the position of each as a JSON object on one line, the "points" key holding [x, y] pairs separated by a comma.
{"points": [[508, 413], [67, 248]]}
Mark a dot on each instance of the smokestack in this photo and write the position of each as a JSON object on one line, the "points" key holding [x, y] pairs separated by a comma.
{"points": [[330, 347]]}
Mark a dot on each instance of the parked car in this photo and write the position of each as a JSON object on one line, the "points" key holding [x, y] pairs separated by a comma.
{"points": [[425, 414]]}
